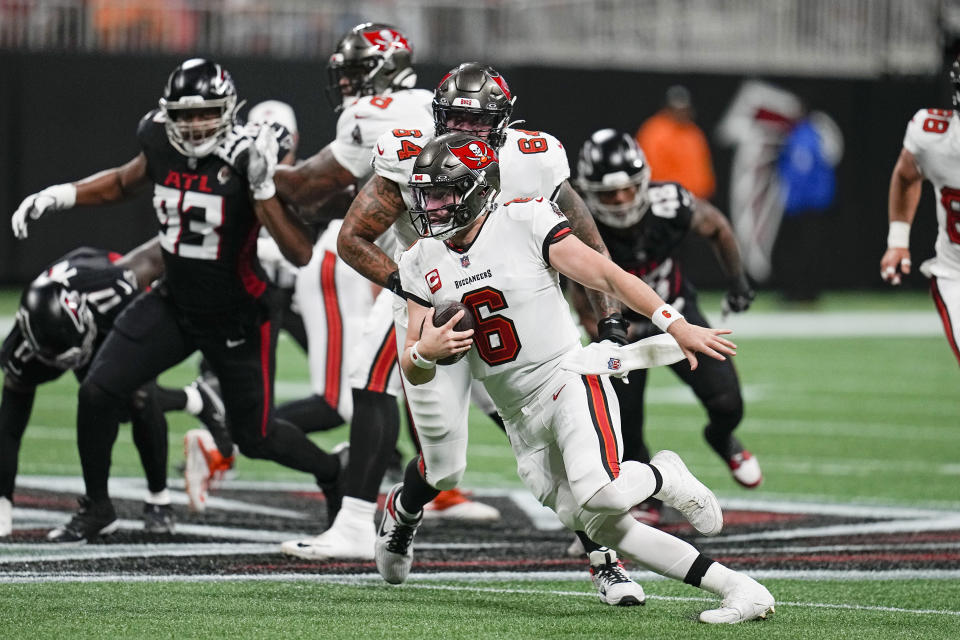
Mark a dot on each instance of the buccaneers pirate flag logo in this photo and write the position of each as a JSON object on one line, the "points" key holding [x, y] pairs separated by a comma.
{"points": [[475, 155]]}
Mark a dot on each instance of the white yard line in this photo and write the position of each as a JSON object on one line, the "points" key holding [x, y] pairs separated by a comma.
{"points": [[419, 582]]}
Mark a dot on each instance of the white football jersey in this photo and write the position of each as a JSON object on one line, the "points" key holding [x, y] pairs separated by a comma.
{"points": [[532, 163], [524, 324], [933, 137], [366, 119]]}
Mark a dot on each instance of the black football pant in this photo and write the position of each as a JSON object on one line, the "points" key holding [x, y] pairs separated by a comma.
{"points": [[142, 410], [715, 384], [149, 337]]}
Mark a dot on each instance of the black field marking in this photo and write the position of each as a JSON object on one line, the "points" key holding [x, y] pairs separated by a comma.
{"points": [[242, 538]]}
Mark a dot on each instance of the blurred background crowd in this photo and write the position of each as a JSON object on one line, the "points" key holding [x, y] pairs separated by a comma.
{"points": [[787, 114]]}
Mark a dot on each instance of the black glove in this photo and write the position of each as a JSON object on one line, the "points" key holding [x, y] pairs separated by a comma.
{"points": [[393, 283], [740, 296], [613, 328]]}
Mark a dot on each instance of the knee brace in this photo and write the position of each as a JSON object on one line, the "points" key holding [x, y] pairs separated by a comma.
{"points": [[635, 484]]}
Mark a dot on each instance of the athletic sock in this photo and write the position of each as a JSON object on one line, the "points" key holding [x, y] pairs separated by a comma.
{"points": [[356, 515], [588, 544], [179, 400], [416, 492], [194, 401], [159, 497], [373, 437]]}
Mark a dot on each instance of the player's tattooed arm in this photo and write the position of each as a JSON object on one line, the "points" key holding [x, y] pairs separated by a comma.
{"points": [[709, 223], [312, 182], [375, 209], [292, 237], [581, 304], [583, 226]]}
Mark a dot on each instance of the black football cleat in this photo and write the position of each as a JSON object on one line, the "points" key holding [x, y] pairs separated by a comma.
{"points": [[157, 518], [92, 520]]}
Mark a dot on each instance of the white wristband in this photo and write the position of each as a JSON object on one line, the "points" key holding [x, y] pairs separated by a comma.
{"points": [[898, 237], [64, 195], [264, 190], [664, 316], [419, 360]]}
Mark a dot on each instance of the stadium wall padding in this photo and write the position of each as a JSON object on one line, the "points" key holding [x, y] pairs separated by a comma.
{"points": [[63, 117]]}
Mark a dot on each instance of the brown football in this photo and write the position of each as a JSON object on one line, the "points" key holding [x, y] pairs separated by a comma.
{"points": [[441, 316]]}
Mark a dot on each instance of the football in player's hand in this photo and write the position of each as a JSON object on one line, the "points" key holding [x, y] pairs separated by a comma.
{"points": [[441, 316]]}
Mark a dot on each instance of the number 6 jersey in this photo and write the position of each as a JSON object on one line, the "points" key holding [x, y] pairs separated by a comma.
{"points": [[523, 322], [933, 137]]}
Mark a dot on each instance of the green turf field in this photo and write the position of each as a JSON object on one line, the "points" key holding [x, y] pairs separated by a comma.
{"points": [[871, 421]]}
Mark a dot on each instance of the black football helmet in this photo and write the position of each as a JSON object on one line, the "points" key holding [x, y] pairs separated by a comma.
{"points": [[611, 160], [57, 324], [455, 179], [200, 105], [477, 94], [370, 59]]}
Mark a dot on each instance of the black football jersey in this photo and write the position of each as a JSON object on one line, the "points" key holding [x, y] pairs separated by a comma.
{"points": [[208, 229], [109, 289], [646, 248]]}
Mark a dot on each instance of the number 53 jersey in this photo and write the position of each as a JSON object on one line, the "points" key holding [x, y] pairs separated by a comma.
{"points": [[523, 323], [933, 137], [208, 229]]}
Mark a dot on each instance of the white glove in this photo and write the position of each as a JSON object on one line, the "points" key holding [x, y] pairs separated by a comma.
{"points": [[607, 358], [55, 198], [262, 163]]}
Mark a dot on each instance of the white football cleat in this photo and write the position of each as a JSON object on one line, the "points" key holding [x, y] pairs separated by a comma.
{"points": [[613, 583], [335, 543], [394, 547], [745, 469], [453, 505], [746, 599], [6, 517], [204, 464], [682, 491]]}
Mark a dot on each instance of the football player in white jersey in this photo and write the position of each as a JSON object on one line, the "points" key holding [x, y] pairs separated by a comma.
{"points": [[476, 98], [563, 427], [931, 150], [371, 85]]}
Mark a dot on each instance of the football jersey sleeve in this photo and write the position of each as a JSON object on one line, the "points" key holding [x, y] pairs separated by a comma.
{"points": [[150, 131], [415, 284], [544, 222], [366, 119], [395, 152], [912, 137]]}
